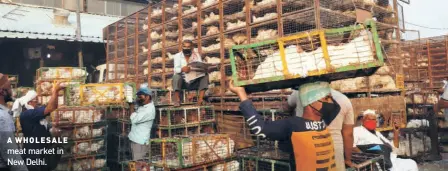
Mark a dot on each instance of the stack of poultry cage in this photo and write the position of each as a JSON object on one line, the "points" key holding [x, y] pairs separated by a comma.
{"points": [[141, 47], [113, 99], [47, 77], [85, 127]]}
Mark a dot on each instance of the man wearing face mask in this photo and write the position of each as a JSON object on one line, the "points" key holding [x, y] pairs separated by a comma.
{"points": [[181, 61], [306, 138], [341, 128], [7, 129], [141, 123], [368, 140], [34, 125]]}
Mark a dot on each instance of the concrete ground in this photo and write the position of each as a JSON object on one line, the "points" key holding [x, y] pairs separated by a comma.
{"points": [[435, 166]]}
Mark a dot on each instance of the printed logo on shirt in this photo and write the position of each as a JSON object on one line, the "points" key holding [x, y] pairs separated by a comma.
{"points": [[315, 125]]}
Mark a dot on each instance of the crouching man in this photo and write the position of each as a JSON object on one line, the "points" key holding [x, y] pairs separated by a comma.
{"points": [[181, 61], [368, 140]]}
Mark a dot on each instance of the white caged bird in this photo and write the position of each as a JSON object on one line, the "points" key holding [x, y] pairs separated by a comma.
{"points": [[211, 30], [267, 16], [191, 9]]}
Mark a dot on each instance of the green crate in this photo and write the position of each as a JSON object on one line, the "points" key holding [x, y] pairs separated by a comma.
{"points": [[176, 153], [61, 73], [320, 54]]}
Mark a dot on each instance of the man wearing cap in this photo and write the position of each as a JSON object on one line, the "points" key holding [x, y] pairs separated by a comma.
{"points": [[305, 138], [141, 123], [341, 128], [367, 139], [34, 125], [7, 129]]}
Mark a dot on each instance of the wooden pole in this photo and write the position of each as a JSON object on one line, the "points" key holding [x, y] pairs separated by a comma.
{"points": [[78, 33]]}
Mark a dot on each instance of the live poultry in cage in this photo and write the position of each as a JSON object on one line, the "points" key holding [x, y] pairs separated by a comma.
{"points": [[51, 73], [208, 148], [77, 116]]}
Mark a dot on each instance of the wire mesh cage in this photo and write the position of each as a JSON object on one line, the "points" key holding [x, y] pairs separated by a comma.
{"points": [[322, 52], [191, 129], [235, 126], [162, 97], [82, 132], [77, 115], [45, 88], [183, 116], [261, 164], [107, 94], [92, 163], [64, 73], [234, 15], [43, 100], [367, 161], [83, 148], [190, 97], [190, 151]]}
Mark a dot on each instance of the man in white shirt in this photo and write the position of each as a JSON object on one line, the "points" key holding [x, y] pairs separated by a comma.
{"points": [[341, 128], [443, 102], [367, 135], [181, 61]]}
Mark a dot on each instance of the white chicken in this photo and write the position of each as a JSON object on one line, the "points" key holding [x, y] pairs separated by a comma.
{"points": [[185, 2], [432, 99], [84, 132], [188, 37], [385, 82], [267, 16], [191, 9], [229, 166], [211, 30], [417, 123], [266, 34], [144, 49], [227, 42], [156, 46], [239, 39], [170, 56], [156, 12], [212, 47], [213, 60], [300, 63], [211, 18], [384, 70], [214, 76], [172, 33], [155, 36], [237, 24], [266, 2], [208, 3]]}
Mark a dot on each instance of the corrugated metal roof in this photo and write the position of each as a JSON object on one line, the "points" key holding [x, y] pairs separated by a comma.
{"points": [[20, 21]]}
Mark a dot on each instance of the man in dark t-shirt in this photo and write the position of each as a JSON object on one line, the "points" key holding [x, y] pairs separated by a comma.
{"points": [[35, 125], [306, 138]]}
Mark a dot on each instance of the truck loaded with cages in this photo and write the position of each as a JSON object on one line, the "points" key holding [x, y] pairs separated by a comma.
{"points": [[329, 54]]}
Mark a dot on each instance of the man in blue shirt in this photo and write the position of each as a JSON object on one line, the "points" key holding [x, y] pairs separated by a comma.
{"points": [[141, 123], [35, 125], [7, 130]]}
